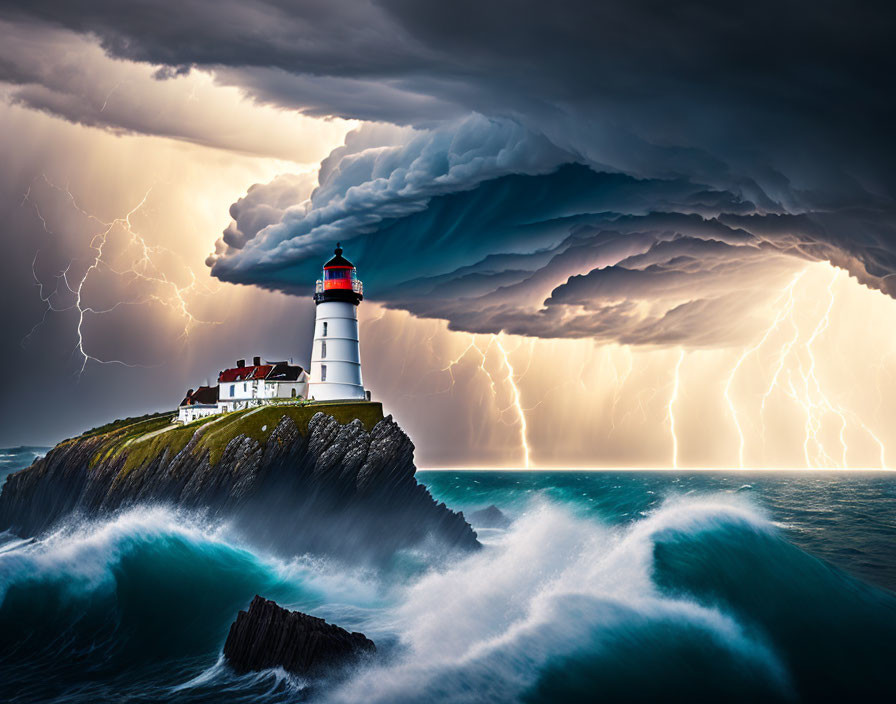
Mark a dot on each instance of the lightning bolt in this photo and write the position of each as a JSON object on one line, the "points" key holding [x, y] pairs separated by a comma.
{"points": [[109, 95], [877, 440], [458, 359], [510, 379], [143, 268], [670, 409], [517, 403], [815, 402], [47, 300], [779, 368], [795, 374], [618, 386], [783, 313]]}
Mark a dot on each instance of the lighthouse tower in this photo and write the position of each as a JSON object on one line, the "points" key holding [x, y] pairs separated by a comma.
{"points": [[335, 356]]}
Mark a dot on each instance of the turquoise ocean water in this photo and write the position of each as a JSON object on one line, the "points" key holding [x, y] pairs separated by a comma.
{"points": [[610, 586]]}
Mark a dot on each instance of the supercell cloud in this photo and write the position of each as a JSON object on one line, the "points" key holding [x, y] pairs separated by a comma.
{"points": [[635, 171], [496, 228]]}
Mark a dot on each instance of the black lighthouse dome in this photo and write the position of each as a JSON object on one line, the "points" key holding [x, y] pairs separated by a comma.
{"points": [[339, 282], [338, 260]]}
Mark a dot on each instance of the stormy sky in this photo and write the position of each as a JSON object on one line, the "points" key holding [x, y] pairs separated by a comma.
{"points": [[637, 176]]}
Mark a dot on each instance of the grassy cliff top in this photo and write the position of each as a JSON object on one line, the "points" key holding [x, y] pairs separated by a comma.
{"points": [[137, 424], [143, 438], [260, 423]]}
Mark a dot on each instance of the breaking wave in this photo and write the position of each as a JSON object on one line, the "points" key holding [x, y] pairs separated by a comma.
{"points": [[701, 598]]}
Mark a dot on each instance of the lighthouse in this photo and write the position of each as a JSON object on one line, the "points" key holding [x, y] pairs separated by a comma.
{"points": [[335, 355]]}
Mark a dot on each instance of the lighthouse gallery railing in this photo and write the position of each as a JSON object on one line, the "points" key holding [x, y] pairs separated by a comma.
{"points": [[357, 286]]}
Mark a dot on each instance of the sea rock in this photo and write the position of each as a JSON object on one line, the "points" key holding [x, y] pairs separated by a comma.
{"points": [[267, 635], [327, 488], [490, 517]]}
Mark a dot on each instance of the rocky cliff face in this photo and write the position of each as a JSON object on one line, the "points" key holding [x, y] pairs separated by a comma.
{"points": [[327, 488], [268, 635]]}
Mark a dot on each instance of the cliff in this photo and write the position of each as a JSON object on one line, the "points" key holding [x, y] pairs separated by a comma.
{"points": [[268, 635], [334, 479]]}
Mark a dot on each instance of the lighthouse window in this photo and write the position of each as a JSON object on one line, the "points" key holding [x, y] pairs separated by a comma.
{"points": [[232, 386], [323, 349], [323, 372], [325, 330]]}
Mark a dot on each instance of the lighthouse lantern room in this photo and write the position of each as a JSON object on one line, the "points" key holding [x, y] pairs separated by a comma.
{"points": [[335, 354]]}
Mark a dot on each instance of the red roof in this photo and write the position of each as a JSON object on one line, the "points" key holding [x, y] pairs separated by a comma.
{"points": [[204, 395], [244, 373]]}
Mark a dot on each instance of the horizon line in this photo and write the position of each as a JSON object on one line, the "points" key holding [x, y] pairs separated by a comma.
{"points": [[475, 468]]}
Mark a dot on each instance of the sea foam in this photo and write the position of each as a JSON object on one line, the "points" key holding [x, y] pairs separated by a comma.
{"points": [[483, 629]]}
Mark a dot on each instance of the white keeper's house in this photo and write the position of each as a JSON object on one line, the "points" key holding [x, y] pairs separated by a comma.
{"points": [[247, 386], [198, 404]]}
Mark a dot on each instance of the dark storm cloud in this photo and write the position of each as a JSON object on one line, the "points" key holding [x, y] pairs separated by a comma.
{"points": [[646, 283], [265, 205], [381, 175], [58, 72], [626, 170], [491, 227], [656, 68]]}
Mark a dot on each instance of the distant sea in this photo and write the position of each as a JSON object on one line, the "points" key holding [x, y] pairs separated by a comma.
{"points": [[605, 586], [12, 459], [845, 517]]}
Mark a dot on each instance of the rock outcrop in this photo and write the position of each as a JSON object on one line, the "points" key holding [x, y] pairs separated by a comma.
{"points": [[268, 636], [490, 517], [327, 488]]}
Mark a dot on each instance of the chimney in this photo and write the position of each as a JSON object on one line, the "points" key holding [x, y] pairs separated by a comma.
{"points": [[256, 361], [240, 363], [189, 392]]}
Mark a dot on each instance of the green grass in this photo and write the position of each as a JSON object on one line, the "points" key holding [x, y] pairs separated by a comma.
{"points": [[122, 436], [120, 433], [260, 424], [122, 424], [141, 452]]}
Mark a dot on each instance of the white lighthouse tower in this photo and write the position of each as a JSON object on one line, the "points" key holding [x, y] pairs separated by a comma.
{"points": [[335, 356]]}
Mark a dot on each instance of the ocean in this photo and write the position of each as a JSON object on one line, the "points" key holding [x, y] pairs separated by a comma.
{"points": [[606, 585], [12, 459]]}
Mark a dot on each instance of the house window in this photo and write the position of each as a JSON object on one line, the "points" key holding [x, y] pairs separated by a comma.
{"points": [[323, 350], [325, 329], [232, 387], [323, 372], [293, 393]]}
